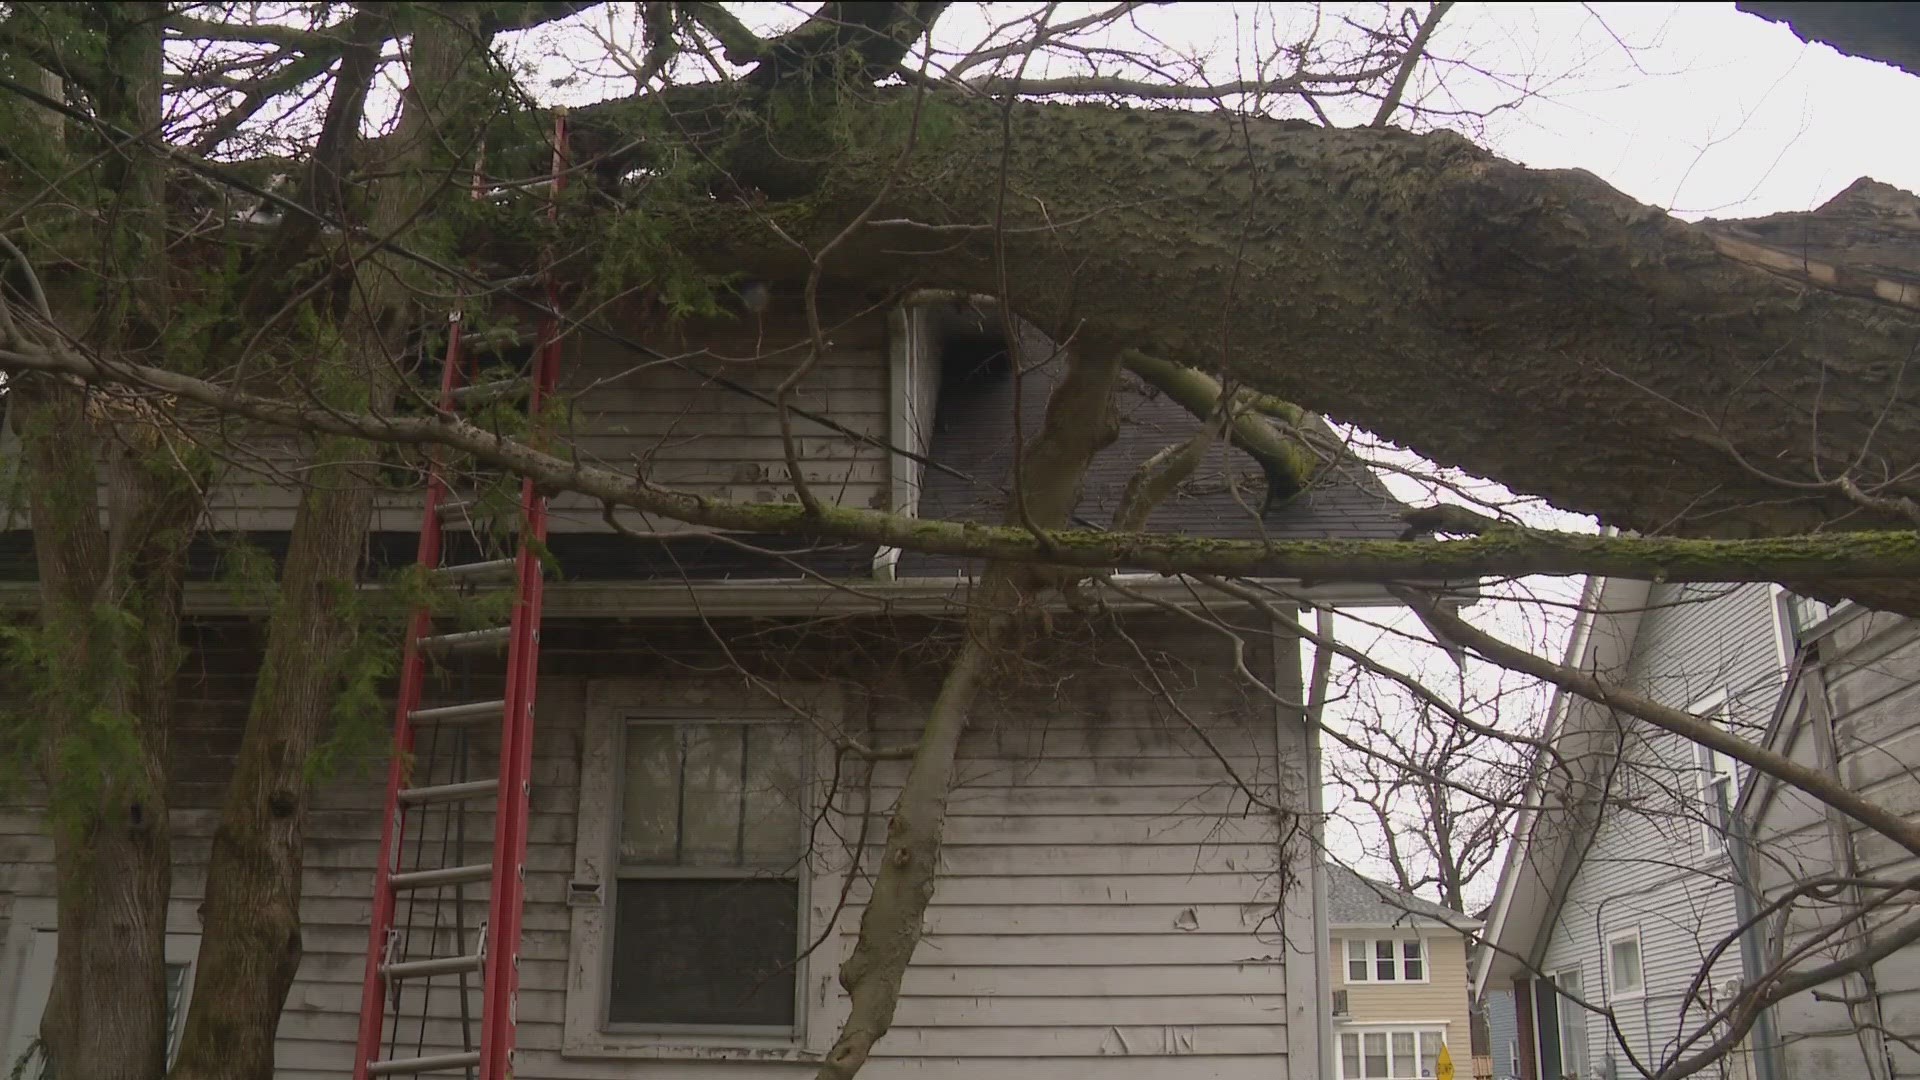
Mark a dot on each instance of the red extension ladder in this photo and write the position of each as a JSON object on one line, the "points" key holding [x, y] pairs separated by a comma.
{"points": [[420, 784]]}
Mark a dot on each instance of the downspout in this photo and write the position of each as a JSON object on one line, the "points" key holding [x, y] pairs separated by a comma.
{"points": [[1316, 816]]}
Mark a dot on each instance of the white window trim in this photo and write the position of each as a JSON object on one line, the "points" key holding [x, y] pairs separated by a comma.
{"points": [[1389, 1027], [1707, 764], [913, 381], [1614, 993], [1399, 960], [28, 969], [1564, 1007], [610, 704]]}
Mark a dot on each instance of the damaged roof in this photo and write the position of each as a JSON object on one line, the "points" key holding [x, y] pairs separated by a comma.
{"points": [[974, 434]]}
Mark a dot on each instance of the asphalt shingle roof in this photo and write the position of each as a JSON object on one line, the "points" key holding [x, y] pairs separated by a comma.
{"points": [[1353, 900]]}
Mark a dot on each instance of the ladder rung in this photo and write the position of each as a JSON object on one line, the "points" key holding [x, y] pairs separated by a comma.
{"points": [[439, 965], [496, 390], [445, 875], [468, 639], [469, 571], [430, 1063], [497, 340], [458, 714], [471, 789]]}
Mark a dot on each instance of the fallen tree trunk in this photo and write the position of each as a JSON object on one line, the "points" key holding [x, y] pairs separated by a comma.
{"points": [[1535, 327]]}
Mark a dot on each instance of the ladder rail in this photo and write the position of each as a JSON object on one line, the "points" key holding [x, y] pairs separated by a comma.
{"points": [[413, 674], [500, 1004], [498, 962]]}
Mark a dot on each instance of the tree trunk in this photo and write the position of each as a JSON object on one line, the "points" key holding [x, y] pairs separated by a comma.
{"points": [[110, 590], [1080, 422], [110, 628], [251, 947], [1535, 327]]}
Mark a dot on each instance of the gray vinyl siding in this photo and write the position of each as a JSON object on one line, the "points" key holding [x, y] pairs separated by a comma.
{"points": [[1107, 892], [1866, 683], [1503, 1030], [1647, 869]]}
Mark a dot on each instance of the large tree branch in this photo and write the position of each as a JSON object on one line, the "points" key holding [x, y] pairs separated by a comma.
{"points": [[1830, 790], [1534, 327], [1864, 557]]}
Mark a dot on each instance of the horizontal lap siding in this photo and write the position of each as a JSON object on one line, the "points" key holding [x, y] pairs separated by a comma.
{"points": [[1646, 869], [1869, 667], [1112, 899], [1443, 998], [1107, 891], [692, 433]]}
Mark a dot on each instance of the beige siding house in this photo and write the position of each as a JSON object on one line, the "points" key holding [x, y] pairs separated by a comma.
{"points": [[1399, 980], [1108, 902]]}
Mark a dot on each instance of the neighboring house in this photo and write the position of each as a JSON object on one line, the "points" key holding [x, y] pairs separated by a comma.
{"points": [[1853, 710], [1633, 907], [1399, 980], [1503, 1032], [1108, 901]]}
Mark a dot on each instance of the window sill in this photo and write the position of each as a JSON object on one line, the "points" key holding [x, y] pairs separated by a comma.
{"points": [[682, 1048]]}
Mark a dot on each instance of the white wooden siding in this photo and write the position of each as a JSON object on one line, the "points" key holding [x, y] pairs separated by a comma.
{"points": [[1106, 893], [1857, 715], [627, 411]]}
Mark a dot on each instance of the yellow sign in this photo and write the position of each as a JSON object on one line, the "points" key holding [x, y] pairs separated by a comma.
{"points": [[1443, 1069]]}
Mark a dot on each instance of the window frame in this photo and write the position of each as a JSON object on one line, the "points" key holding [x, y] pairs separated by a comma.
{"points": [[1639, 989], [1712, 769], [31, 941], [1387, 1030], [1568, 1011], [1795, 618], [619, 871], [1370, 947], [612, 705]]}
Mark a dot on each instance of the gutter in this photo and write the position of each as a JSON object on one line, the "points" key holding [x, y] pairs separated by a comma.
{"points": [[1316, 817]]}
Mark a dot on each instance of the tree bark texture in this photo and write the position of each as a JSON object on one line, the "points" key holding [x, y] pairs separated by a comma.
{"points": [[251, 945], [111, 591], [1080, 422], [1535, 327]]}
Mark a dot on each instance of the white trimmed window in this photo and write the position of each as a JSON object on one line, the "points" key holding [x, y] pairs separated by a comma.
{"points": [[1625, 977], [1390, 1052], [1571, 1019], [707, 891], [694, 876], [1719, 778], [1793, 617], [1386, 960]]}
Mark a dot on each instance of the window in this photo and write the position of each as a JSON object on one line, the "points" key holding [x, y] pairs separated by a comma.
{"points": [[1572, 1024], [706, 906], [1719, 778], [700, 850], [1390, 1052], [34, 980], [1798, 614], [1624, 976], [1386, 960]]}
